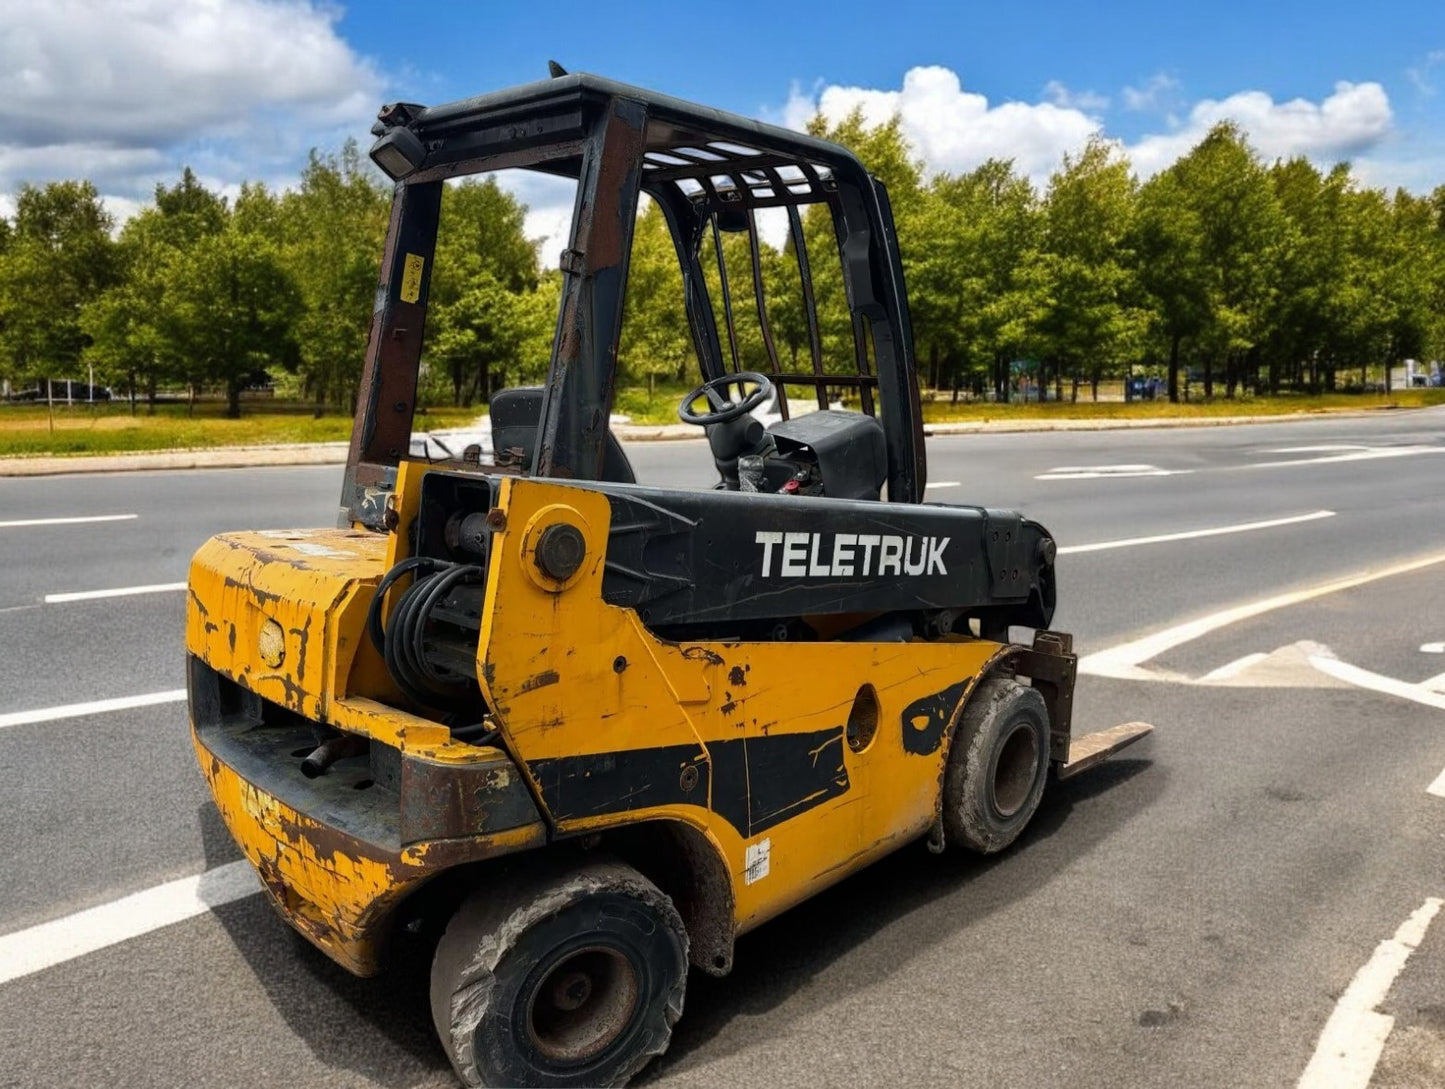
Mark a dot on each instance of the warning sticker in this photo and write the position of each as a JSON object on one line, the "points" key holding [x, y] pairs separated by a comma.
{"points": [[758, 861], [411, 278]]}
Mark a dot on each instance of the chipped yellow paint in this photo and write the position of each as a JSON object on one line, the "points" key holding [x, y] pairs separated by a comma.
{"points": [[614, 687], [563, 674], [328, 895]]}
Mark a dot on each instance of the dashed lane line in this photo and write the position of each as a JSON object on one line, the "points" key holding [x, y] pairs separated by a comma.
{"points": [[1216, 531], [120, 591], [67, 521], [1354, 1036], [36, 948], [94, 707]]}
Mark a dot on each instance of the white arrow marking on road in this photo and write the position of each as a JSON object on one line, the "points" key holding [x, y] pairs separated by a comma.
{"points": [[1437, 788], [96, 707], [1359, 454], [48, 944], [68, 521], [123, 591], [1234, 668], [1124, 661], [1241, 527], [1377, 682], [1354, 1036], [1094, 472]]}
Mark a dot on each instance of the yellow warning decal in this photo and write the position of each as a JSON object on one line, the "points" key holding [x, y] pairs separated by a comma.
{"points": [[411, 278]]}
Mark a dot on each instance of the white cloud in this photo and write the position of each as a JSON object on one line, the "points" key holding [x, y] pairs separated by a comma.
{"points": [[1159, 94], [1355, 118], [1421, 75], [1087, 101], [121, 91], [956, 130]]}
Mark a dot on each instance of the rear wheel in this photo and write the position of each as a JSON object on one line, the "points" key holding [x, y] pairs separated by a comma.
{"points": [[997, 766], [561, 977]]}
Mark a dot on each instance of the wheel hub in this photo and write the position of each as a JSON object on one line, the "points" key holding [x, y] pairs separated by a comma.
{"points": [[582, 1004]]}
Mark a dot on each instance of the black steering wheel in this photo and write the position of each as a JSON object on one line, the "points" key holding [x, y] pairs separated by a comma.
{"points": [[723, 409]]}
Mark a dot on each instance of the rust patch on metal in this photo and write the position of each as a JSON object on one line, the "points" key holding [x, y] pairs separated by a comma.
{"points": [[541, 680], [702, 654], [738, 675]]}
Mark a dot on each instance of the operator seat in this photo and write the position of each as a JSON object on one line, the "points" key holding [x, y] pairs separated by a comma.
{"points": [[849, 448], [516, 415]]}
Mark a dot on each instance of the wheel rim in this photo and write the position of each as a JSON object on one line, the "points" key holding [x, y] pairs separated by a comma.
{"points": [[582, 1004], [1016, 770]]}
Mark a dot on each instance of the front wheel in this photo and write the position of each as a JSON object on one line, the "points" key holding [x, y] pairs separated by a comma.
{"points": [[997, 766], [562, 977]]}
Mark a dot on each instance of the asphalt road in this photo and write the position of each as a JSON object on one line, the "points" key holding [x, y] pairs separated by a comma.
{"points": [[1190, 915]]}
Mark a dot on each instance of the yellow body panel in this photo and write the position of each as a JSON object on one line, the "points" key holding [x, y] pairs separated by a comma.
{"points": [[609, 724], [568, 675]]}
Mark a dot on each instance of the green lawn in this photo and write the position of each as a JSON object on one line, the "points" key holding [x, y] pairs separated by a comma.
{"points": [[25, 430], [110, 429]]}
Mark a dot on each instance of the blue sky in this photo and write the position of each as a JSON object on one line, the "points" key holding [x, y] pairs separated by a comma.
{"points": [[126, 91]]}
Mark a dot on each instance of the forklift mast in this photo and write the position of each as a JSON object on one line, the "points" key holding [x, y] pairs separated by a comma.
{"points": [[710, 172]]}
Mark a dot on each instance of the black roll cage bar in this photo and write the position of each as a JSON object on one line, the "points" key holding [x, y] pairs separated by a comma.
{"points": [[706, 169]]}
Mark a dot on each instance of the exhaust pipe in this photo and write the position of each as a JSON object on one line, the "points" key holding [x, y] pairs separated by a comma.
{"points": [[328, 752]]}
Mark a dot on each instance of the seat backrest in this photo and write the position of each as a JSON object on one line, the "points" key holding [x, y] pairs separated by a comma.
{"points": [[517, 414]]}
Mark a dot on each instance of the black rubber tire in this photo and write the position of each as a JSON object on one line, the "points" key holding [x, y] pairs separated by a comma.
{"points": [[505, 944], [997, 766]]}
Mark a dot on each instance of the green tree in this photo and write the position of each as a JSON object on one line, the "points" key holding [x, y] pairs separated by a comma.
{"points": [[59, 257], [478, 321], [232, 307], [655, 333], [1087, 319], [128, 325], [973, 270], [333, 227]]}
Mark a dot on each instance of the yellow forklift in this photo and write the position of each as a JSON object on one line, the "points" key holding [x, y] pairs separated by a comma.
{"points": [[595, 729]]}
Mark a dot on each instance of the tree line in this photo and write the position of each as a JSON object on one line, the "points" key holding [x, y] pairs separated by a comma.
{"points": [[1250, 277]]}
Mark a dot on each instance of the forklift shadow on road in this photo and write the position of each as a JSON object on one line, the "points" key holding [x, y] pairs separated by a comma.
{"points": [[379, 1028], [776, 963]]}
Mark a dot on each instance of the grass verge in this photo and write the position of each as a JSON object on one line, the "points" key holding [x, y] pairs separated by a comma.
{"points": [[25, 430]]}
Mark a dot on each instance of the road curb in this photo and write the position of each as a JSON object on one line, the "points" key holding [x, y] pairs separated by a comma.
{"points": [[334, 453], [222, 457]]}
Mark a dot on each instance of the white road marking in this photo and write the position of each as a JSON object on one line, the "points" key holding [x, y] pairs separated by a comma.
{"points": [[1354, 1036], [943, 484], [1124, 660], [122, 591], [1432, 648], [1337, 448], [1377, 682], [1234, 668], [1241, 527], [1356, 454], [1437, 788], [1435, 683], [1094, 472], [39, 947], [96, 707], [68, 521]]}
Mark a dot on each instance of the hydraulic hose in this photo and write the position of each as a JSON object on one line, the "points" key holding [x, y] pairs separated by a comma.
{"points": [[402, 642]]}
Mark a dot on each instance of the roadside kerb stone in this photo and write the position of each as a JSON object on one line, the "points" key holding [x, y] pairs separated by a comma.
{"points": [[334, 453]]}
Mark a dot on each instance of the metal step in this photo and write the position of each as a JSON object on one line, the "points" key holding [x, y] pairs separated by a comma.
{"points": [[1091, 749]]}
